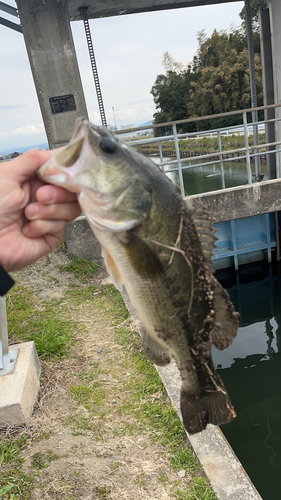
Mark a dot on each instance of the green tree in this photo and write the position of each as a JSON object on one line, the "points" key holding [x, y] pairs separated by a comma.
{"points": [[224, 83], [217, 81], [255, 6], [170, 93]]}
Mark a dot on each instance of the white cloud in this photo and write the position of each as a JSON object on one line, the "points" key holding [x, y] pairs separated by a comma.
{"points": [[28, 130]]}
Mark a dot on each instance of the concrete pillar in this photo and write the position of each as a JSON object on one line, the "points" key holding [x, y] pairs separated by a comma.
{"points": [[275, 23], [52, 57], [268, 88]]}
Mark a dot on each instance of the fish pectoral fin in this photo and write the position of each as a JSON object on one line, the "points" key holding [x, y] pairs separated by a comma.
{"points": [[210, 408], [226, 318], [153, 350], [112, 269], [141, 256]]}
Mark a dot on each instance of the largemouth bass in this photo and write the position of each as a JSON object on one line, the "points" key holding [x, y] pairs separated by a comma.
{"points": [[161, 252]]}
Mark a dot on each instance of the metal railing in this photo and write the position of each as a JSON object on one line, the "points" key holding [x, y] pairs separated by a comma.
{"points": [[218, 157]]}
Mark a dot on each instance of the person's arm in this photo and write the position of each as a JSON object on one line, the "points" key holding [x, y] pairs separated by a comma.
{"points": [[33, 215]]}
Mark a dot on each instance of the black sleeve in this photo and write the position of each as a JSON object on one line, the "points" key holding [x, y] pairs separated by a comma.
{"points": [[6, 282]]}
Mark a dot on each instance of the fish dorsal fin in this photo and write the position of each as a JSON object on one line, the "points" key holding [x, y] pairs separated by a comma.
{"points": [[206, 233]]}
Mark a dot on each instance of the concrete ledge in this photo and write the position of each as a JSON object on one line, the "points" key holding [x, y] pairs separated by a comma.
{"points": [[19, 389], [240, 201]]}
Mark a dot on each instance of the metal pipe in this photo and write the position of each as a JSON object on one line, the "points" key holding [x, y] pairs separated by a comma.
{"points": [[252, 81], [4, 348], [160, 152], [249, 171], [277, 153], [221, 162], [178, 158]]}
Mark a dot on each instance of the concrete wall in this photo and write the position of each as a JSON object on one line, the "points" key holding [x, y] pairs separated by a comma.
{"points": [[241, 201]]}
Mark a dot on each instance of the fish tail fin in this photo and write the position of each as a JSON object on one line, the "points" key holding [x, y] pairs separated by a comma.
{"points": [[210, 408]]}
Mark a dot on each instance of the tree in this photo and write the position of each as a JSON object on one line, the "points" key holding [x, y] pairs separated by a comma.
{"points": [[224, 82], [170, 93], [255, 6], [218, 81]]}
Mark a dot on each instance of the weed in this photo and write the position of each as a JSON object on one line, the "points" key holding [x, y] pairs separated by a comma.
{"points": [[89, 396], [61, 247], [141, 480], [82, 269], [102, 492], [14, 484], [113, 304], [9, 450], [81, 295], [42, 460], [38, 461]]}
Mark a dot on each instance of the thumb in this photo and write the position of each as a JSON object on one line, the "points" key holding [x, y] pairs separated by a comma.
{"points": [[25, 166]]}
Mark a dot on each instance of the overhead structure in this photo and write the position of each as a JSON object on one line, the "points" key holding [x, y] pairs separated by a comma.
{"points": [[12, 12], [100, 8]]}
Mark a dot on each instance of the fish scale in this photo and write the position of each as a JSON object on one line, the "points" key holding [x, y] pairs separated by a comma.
{"points": [[161, 253]]}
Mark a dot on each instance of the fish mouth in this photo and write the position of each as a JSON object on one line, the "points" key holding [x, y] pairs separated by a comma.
{"points": [[69, 160]]}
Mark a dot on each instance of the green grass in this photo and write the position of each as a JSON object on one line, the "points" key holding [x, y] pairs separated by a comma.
{"points": [[51, 334], [14, 483], [82, 269], [202, 145]]}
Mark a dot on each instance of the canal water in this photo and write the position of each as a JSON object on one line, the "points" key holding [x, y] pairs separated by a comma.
{"points": [[208, 178], [251, 371]]}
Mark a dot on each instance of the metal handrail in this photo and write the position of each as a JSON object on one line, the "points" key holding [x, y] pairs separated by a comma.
{"points": [[251, 152]]}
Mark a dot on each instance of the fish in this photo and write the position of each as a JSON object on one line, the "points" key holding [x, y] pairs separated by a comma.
{"points": [[160, 252]]}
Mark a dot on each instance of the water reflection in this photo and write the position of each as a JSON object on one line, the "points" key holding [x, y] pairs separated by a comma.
{"points": [[251, 371], [208, 178]]}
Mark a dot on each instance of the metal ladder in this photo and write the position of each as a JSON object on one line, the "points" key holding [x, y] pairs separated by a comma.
{"points": [[94, 65]]}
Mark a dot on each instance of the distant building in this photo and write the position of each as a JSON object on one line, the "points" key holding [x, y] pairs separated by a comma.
{"points": [[132, 125]]}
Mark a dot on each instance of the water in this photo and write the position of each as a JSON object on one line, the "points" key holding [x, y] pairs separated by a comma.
{"points": [[251, 371], [208, 178]]}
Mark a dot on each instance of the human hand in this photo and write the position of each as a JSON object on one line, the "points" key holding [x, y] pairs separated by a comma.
{"points": [[33, 215]]}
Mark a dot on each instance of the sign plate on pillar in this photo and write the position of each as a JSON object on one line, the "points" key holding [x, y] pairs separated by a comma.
{"points": [[62, 103]]}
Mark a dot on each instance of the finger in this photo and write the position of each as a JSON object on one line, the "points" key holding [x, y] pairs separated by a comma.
{"points": [[54, 194], [39, 228], [30, 187], [25, 166], [56, 211]]}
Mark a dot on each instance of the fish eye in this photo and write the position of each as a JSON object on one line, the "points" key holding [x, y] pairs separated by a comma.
{"points": [[107, 145]]}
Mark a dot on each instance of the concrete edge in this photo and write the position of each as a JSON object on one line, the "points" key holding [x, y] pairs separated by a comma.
{"points": [[225, 472], [19, 389], [239, 201]]}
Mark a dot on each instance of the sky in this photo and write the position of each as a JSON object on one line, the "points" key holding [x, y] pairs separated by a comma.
{"points": [[129, 52]]}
